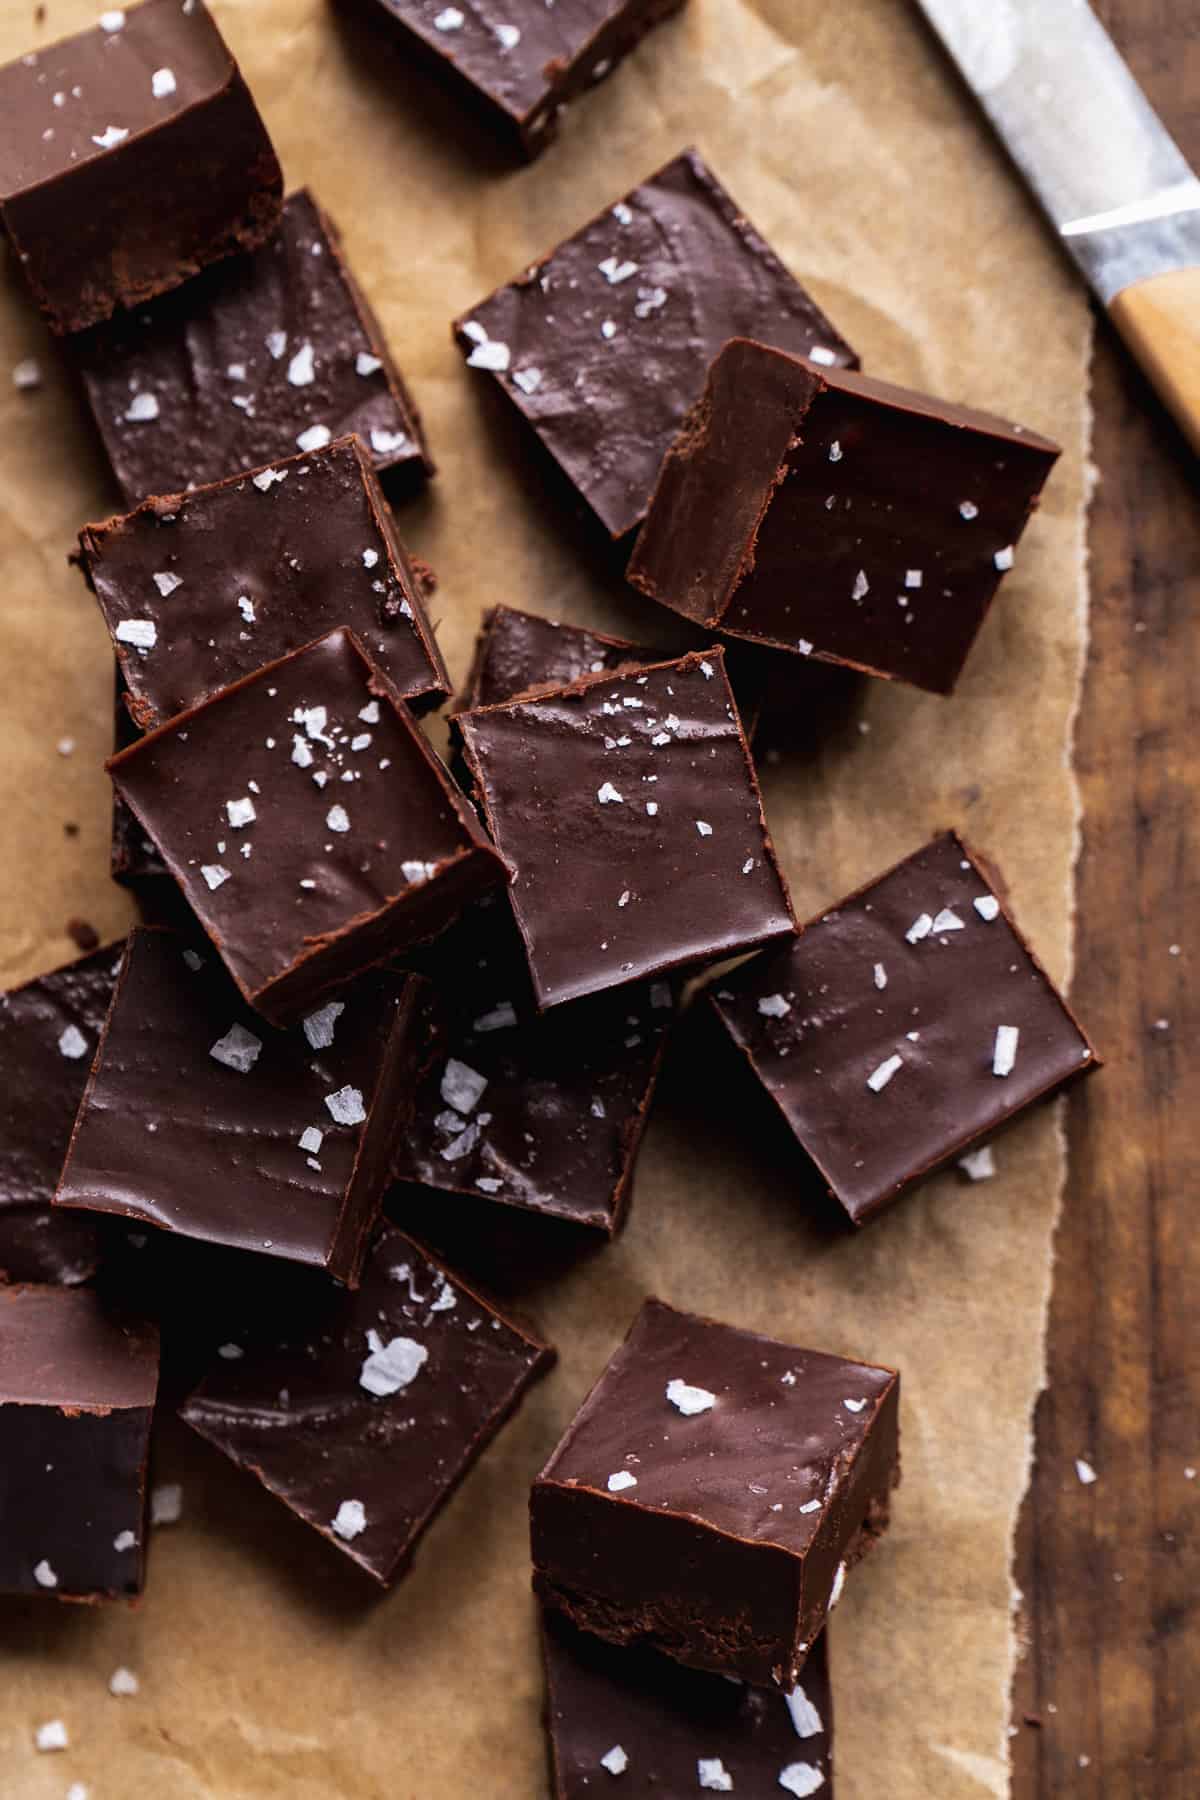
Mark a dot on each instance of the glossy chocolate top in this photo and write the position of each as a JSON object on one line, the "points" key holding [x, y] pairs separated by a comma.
{"points": [[883, 1033], [543, 1112], [365, 1417], [770, 1430], [270, 353], [240, 573], [298, 808], [201, 1118], [58, 1347], [80, 99], [628, 809], [604, 344], [837, 516], [631, 1713], [517, 651]]}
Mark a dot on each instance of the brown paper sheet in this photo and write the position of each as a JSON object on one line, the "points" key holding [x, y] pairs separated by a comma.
{"points": [[847, 140]]}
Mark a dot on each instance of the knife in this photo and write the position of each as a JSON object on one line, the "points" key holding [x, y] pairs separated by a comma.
{"points": [[1116, 186]]}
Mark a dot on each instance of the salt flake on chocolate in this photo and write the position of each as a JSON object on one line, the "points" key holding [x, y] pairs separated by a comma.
{"points": [[1004, 1054], [987, 906], [163, 84], [490, 354], [109, 138], [240, 813], [528, 380], [266, 478], [804, 1715], [349, 1520], [920, 928], [704, 828], [948, 921], [607, 795], [319, 1025], [391, 1366], [346, 1106], [302, 368], [509, 36], [142, 408], [774, 1006], [979, 1165], [239, 1049], [315, 438], [366, 364], [166, 582], [615, 1760], [712, 1774], [311, 1139], [337, 819], [878, 1079], [461, 1086], [388, 443], [72, 1043], [44, 1575], [862, 586], [614, 271], [501, 1018], [801, 1779], [141, 633], [214, 875], [688, 1400], [449, 19], [620, 1481]]}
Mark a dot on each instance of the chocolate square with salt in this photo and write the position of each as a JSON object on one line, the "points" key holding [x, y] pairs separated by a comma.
{"points": [[904, 1027], [237, 574], [131, 156], [364, 1414], [520, 72], [671, 1732], [711, 1493], [604, 343], [270, 354], [834, 516], [311, 827], [49, 1030], [202, 1119], [516, 651], [544, 1112], [77, 1389], [627, 808]]}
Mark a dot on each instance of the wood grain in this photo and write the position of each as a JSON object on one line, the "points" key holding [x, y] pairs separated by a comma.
{"points": [[1111, 1571], [1159, 319]]}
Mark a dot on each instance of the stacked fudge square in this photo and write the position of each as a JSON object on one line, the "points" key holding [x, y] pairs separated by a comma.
{"points": [[384, 973]]}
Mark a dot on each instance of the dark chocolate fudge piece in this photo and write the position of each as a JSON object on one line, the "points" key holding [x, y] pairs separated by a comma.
{"points": [[836, 516], [711, 1492], [628, 810], [77, 1390], [311, 827], [516, 651], [671, 1732], [364, 1416], [604, 344], [903, 1027], [131, 156], [49, 1030], [523, 68], [543, 1112], [237, 574], [200, 1118], [270, 354]]}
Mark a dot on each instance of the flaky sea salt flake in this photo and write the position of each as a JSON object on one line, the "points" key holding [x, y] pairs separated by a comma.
{"points": [[689, 1400], [239, 1049], [346, 1106]]}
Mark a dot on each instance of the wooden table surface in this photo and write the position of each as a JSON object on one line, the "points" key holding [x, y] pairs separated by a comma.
{"points": [[1107, 1696]]}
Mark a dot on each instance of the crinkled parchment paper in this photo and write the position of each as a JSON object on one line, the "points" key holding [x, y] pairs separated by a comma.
{"points": [[264, 1671]]}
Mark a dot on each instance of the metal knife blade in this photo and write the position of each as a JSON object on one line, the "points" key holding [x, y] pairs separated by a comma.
{"points": [[1112, 179]]}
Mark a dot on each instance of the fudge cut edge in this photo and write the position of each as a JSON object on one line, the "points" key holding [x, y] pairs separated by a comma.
{"points": [[718, 479]]}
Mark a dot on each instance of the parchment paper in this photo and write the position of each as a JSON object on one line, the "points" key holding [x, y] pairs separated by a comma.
{"points": [[843, 134]]}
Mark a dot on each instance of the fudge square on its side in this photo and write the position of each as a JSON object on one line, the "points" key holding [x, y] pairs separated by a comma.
{"points": [[364, 1415], [603, 345], [831, 515], [131, 157], [628, 810], [274, 352], [49, 1030], [309, 824], [711, 1492], [903, 1027], [77, 1390], [222, 579], [202, 1119]]}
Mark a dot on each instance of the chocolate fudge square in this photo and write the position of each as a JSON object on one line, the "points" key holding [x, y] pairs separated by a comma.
{"points": [[131, 157], [364, 1415], [604, 344], [711, 1492], [835, 516], [77, 1388], [310, 826], [516, 651], [271, 353], [627, 808], [49, 1030], [202, 1119], [544, 1112], [903, 1027], [671, 1732], [520, 72], [239, 573]]}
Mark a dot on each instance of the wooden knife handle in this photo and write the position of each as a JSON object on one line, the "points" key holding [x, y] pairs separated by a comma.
{"points": [[1159, 318]]}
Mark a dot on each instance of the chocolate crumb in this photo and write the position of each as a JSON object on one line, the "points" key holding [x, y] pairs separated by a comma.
{"points": [[82, 934]]}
